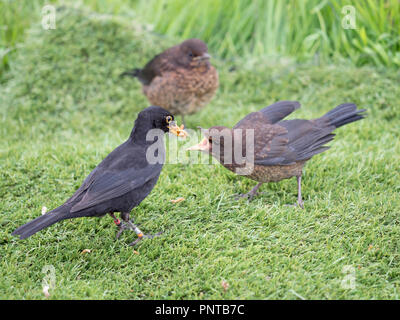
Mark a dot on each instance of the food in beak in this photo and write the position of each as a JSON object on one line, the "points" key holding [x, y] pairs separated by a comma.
{"points": [[176, 130], [204, 145]]}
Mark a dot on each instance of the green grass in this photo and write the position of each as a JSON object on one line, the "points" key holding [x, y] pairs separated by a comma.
{"points": [[64, 108], [304, 30], [15, 18]]}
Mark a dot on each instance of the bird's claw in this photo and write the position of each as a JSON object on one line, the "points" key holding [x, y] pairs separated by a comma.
{"points": [[139, 233], [241, 195], [148, 236], [122, 225], [248, 195], [121, 229], [299, 204]]}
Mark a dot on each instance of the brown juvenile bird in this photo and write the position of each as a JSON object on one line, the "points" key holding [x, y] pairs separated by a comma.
{"points": [[180, 79], [279, 148]]}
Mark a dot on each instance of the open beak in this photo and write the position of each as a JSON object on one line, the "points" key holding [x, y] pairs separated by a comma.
{"points": [[176, 130], [204, 56], [204, 145]]}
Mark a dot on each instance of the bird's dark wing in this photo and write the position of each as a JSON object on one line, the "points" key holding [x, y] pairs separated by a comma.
{"points": [[150, 70], [301, 141], [284, 142], [85, 185], [114, 158], [269, 115], [272, 146], [162, 62], [270, 139], [112, 184]]}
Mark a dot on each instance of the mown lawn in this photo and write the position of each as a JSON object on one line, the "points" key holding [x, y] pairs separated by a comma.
{"points": [[64, 108]]}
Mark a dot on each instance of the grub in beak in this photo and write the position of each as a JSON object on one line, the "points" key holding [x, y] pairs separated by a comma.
{"points": [[176, 130]]}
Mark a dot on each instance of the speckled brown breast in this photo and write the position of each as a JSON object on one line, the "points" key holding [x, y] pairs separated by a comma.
{"points": [[270, 173], [183, 91]]}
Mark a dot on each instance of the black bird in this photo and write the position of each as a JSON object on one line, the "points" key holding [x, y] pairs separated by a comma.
{"points": [[279, 148], [120, 182]]}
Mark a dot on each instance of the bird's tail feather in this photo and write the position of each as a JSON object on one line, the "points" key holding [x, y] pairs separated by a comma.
{"points": [[315, 147], [314, 142], [131, 73], [343, 114], [42, 222]]}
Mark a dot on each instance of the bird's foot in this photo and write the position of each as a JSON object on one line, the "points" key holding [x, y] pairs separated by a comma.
{"points": [[120, 225], [143, 236], [296, 204], [249, 195], [242, 195], [121, 228], [139, 233]]}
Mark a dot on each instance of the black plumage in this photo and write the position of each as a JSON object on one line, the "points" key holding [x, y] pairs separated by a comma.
{"points": [[119, 183]]}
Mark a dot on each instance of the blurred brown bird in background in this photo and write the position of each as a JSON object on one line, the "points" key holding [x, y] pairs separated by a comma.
{"points": [[279, 148], [181, 79]]}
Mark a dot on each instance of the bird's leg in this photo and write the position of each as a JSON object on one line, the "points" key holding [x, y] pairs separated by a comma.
{"points": [[118, 223], [116, 220], [300, 202], [250, 195], [140, 234], [122, 225], [135, 228], [183, 121]]}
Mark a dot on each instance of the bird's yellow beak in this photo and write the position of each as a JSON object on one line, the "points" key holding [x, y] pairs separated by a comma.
{"points": [[176, 130], [204, 145]]}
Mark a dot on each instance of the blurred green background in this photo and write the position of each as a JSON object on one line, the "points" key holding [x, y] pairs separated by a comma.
{"points": [[294, 28]]}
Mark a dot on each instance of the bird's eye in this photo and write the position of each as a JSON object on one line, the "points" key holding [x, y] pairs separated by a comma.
{"points": [[168, 119], [190, 54]]}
